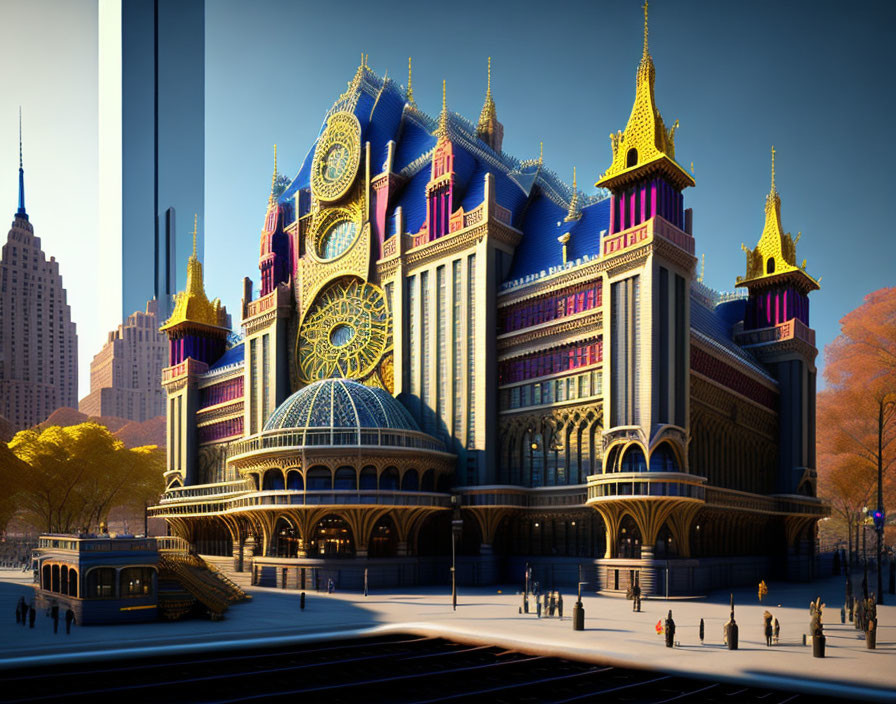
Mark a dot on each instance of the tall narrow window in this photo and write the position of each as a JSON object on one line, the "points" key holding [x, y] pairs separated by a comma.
{"points": [[471, 369], [457, 331], [441, 352], [426, 344], [413, 348], [265, 376], [253, 385]]}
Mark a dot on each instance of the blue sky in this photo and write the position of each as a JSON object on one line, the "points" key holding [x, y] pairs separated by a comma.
{"points": [[812, 78]]}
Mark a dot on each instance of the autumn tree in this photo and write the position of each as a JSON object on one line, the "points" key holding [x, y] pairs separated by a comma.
{"points": [[857, 410], [74, 475]]}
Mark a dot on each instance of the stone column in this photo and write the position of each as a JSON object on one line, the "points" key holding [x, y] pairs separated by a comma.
{"points": [[401, 549], [648, 574], [238, 548]]}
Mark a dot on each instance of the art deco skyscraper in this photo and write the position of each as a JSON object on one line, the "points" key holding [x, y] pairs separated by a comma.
{"points": [[38, 341]]}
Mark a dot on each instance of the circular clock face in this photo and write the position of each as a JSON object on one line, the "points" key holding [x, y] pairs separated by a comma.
{"points": [[336, 157], [344, 333]]}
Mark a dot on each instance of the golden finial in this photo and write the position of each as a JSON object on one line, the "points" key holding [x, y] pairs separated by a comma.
{"points": [[410, 97], [702, 266], [488, 89], [692, 167], [443, 116], [195, 220], [645, 27], [573, 213], [541, 153], [773, 169]]}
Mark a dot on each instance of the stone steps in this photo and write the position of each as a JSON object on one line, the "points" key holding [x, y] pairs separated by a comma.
{"points": [[225, 565]]}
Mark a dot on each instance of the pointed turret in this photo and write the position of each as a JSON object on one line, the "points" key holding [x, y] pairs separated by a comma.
{"points": [[198, 327], [489, 130], [274, 248], [646, 147], [573, 213], [440, 189], [410, 95], [778, 286], [20, 213]]}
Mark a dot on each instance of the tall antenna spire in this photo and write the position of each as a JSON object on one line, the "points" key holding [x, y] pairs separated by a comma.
{"points": [[273, 176], [488, 88], [573, 213], [195, 220], [541, 153], [20, 213], [410, 98]]}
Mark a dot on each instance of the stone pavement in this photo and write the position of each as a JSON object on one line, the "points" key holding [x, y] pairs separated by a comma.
{"points": [[614, 635]]}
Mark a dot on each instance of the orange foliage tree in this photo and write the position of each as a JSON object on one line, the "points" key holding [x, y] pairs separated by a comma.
{"points": [[857, 411]]}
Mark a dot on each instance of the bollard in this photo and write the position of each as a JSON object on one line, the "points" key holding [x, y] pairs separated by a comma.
{"points": [[302, 601], [871, 636], [842, 615], [818, 646], [578, 616], [732, 636]]}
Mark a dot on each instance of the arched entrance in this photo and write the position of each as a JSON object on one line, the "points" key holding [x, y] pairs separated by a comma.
{"points": [[286, 540], [629, 539], [332, 538], [383, 538]]}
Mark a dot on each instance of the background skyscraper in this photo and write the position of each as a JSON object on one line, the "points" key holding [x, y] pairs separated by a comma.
{"points": [[38, 340], [152, 146]]}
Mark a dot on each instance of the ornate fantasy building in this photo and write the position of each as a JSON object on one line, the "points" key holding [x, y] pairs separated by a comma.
{"points": [[442, 326]]}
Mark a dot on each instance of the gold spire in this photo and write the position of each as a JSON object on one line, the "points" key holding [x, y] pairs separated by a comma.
{"points": [[646, 142], [489, 129], [273, 178], [702, 267], [192, 305], [442, 131], [775, 253], [541, 153], [573, 213], [410, 98]]}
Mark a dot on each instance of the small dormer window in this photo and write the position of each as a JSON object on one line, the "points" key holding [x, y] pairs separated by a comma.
{"points": [[631, 158], [770, 266]]}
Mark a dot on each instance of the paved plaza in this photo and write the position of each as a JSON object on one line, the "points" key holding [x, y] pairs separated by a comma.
{"points": [[613, 634]]}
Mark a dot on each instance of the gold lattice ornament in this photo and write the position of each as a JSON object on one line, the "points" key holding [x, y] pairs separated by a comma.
{"points": [[336, 157], [344, 332]]}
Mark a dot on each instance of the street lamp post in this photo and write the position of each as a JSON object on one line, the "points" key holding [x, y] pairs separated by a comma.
{"points": [[457, 526]]}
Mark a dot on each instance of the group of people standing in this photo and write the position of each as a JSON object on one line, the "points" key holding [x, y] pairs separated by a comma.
{"points": [[772, 629], [26, 615]]}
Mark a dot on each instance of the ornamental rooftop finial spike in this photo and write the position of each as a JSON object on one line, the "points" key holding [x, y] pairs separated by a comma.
{"points": [[195, 221], [442, 131], [645, 54], [410, 98], [773, 169], [573, 213]]}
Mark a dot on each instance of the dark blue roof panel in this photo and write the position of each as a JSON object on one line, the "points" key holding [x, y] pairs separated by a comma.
{"points": [[235, 355]]}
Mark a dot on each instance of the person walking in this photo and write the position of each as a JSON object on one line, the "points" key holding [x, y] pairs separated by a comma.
{"points": [[767, 624], [329, 585], [777, 632], [560, 606], [32, 614], [69, 620], [365, 581], [636, 597], [701, 631], [54, 614], [20, 610], [670, 630]]}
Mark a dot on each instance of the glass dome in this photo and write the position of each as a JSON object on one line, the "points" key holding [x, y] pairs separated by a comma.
{"points": [[341, 403]]}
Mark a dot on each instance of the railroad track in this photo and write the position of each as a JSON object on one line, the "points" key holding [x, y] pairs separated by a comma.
{"points": [[400, 669]]}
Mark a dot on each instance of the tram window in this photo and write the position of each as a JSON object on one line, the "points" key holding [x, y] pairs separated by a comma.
{"points": [[135, 581], [101, 582]]}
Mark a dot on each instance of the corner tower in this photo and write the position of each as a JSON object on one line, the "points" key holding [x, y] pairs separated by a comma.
{"points": [[776, 329], [648, 255], [197, 334]]}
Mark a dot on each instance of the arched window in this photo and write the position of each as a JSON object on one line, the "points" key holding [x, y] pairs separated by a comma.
{"points": [[294, 481], [631, 159], [101, 583], [319, 479], [273, 480], [55, 586], [368, 479], [633, 460], [73, 582], [428, 483], [63, 580], [770, 266], [286, 539], [665, 547], [611, 459], [135, 581], [389, 479], [443, 484], [410, 481], [346, 479], [662, 459]]}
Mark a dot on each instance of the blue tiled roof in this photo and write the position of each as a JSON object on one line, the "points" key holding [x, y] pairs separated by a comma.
{"points": [[717, 329], [235, 355], [414, 141], [384, 123], [341, 403], [538, 250]]}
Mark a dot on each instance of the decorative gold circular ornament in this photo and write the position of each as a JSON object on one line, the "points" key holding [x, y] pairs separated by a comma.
{"points": [[344, 332], [336, 157], [335, 230]]}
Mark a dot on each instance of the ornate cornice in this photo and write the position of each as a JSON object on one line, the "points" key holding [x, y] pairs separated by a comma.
{"points": [[213, 414], [591, 322]]}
